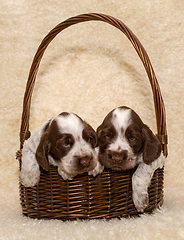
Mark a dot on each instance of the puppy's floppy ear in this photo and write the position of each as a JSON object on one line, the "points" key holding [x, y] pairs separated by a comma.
{"points": [[99, 131], [152, 146], [89, 132], [42, 152], [95, 140]]}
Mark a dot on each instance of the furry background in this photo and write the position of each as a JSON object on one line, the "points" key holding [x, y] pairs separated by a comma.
{"points": [[89, 69]]}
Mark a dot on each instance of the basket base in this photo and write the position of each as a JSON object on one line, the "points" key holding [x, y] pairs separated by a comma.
{"points": [[106, 196]]}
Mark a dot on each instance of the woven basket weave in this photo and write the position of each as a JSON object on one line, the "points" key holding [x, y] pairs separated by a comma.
{"points": [[85, 197]]}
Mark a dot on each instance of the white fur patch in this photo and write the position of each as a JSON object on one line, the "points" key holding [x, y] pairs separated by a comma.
{"points": [[121, 119], [70, 124]]}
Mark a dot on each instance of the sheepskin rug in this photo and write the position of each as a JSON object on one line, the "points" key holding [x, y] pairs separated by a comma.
{"points": [[89, 69]]}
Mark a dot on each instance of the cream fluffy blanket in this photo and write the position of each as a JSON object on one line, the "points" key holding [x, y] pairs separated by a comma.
{"points": [[89, 69]]}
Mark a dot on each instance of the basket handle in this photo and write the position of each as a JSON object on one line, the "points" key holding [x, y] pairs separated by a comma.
{"points": [[158, 100]]}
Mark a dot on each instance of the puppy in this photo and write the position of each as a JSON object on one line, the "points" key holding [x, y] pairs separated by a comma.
{"points": [[125, 142], [65, 141]]}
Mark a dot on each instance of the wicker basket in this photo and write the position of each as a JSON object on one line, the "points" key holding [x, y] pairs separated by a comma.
{"points": [[107, 195]]}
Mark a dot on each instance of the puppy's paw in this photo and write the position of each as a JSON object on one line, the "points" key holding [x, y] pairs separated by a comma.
{"points": [[65, 175], [141, 200], [30, 178], [97, 170]]}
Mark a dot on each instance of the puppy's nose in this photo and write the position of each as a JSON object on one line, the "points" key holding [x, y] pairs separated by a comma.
{"points": [[85, 161], [120, 156]]}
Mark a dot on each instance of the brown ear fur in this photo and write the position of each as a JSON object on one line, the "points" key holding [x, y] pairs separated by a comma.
{"points": [[152, 146], [98, 133], [42, 152], [90, 132]]}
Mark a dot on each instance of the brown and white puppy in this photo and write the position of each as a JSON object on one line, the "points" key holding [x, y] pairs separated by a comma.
{"points": [[125, 142], [65, 141]]}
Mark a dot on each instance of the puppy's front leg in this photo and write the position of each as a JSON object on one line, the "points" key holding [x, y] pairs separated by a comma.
{"points": [[65, 175], [30, 171], [97, 170], [141, 180]]}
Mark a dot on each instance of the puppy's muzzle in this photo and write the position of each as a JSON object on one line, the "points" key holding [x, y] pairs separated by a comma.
{"points": [[85, 160], [118, 157]]}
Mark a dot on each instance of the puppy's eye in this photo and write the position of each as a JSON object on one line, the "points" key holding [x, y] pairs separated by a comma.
{"points": [[107, 136], [132, 138], [68, 142]]}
